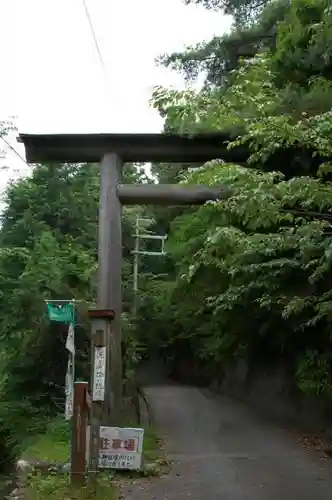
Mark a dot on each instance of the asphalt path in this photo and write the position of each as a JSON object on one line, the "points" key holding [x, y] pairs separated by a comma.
{"points": [[221, 449]]}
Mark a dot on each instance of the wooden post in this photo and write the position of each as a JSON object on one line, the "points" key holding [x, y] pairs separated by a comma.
{"points": [[79, 433], [98, 341], [109, 295], [106, 320], [100, 332]]}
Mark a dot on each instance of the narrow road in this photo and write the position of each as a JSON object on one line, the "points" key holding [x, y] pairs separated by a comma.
{"points": [[220, 449]]}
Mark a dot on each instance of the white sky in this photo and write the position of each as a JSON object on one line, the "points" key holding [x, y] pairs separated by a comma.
{"points": [[52, 78]]}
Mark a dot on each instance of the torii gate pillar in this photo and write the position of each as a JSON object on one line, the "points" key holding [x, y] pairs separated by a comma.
{"points": [[109, 290]]}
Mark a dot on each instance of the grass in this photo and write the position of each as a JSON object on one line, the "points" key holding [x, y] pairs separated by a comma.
{"points": [[151, 446], [54, 446], [51, 446], [41, 487]]}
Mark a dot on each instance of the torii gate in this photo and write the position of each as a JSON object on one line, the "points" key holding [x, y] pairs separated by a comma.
{"points": [[113, 150]]}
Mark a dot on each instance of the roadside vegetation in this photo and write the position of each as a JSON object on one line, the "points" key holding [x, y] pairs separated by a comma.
{"points": [[245, 278]]}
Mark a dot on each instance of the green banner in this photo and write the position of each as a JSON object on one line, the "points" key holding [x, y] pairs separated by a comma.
{"points": [[63, 313]]}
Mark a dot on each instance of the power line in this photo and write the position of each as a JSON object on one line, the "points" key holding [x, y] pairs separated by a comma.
{"points": [[14, 151], [101, 61], [102, 64], [94, 37]]}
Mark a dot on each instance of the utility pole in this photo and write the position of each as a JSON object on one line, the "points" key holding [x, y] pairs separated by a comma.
{"points": [[136, 252]]}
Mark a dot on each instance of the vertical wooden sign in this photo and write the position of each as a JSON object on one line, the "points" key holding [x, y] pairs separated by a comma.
{"points": [[99, 373], [100, 320]]}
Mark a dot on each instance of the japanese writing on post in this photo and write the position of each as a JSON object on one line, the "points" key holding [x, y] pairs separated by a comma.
{"points": [[98, 392]]}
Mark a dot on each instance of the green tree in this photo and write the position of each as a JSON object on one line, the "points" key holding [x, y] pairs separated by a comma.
{"points": [[252, 273], [221, 55], [244, 11], [48, 250]]}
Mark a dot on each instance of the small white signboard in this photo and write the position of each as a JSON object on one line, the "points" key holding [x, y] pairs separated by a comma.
{"points": [[69, 391], [99, 374], [69, 406], [120, 448], [70, 342]]}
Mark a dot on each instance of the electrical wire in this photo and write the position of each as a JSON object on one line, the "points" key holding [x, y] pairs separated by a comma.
{"points": [[100, 55], [14, 151], [100, 59], [95, 39]]}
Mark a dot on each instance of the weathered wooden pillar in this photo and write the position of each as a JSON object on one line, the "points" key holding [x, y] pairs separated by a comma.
{"points": [[109, 296], [79, 426]]}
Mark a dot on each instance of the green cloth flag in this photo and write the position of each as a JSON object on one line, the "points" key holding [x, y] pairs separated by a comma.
{"points": [[61, 313]]}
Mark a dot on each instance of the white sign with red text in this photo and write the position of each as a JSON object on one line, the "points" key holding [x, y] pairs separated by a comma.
{"points": [[120, 448]]}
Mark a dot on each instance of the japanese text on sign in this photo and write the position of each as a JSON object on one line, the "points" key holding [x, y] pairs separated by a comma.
{"points": [[98, 392], [118, 444], [116, 461], [120, 448]]}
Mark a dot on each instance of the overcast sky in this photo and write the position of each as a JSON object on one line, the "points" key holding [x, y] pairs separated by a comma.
{"points": [[52, 77]]}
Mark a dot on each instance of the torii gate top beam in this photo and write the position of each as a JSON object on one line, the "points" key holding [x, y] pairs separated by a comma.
{"points": [[172, 148]]}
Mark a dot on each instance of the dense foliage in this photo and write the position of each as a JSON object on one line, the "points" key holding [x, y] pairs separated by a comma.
{"points": [[48, 251], [249, 277], [252, 274], [243, 11]]}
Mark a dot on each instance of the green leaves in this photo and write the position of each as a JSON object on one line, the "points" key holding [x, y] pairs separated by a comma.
{"points": [[48, 251], [251, 105], [253, 273], [303, 42], [252, 262], [275, 101], [314, 373]]}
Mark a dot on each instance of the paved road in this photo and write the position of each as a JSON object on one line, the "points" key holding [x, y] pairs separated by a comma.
{"points": [[221, 450]]}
